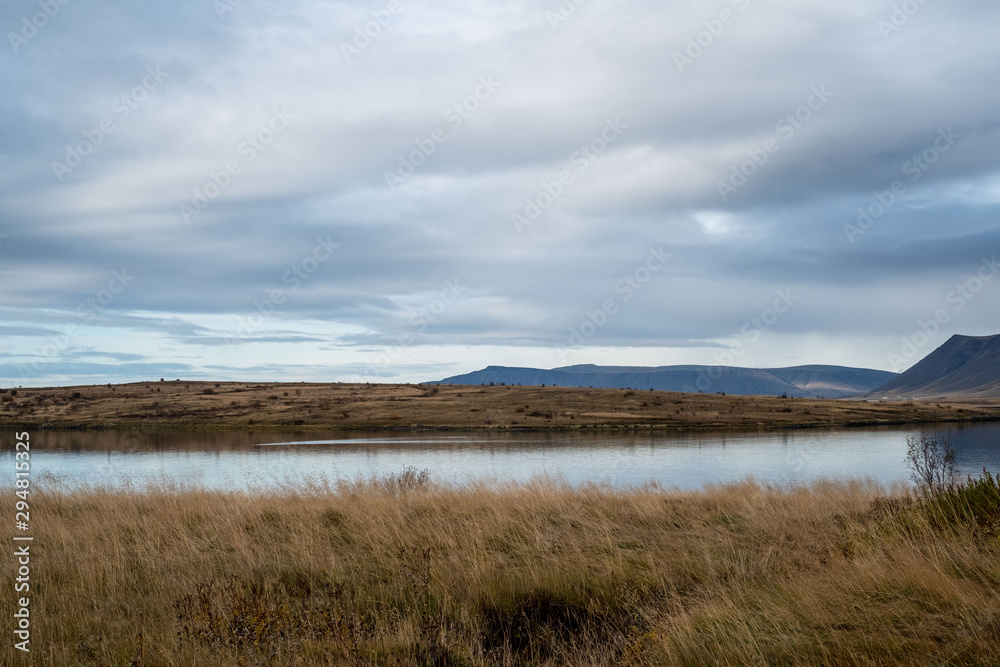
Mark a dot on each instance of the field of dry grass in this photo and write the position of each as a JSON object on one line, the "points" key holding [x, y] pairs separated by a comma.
{"points": [[352, 406], [400, 571]]}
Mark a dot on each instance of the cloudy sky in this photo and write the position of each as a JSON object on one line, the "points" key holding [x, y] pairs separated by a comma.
{"points": [[406, 190]]}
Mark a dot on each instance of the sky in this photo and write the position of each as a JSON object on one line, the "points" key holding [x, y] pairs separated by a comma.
{"points": [[401, 190]]}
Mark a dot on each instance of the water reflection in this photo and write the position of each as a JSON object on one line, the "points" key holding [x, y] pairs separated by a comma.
{"points": [[685, 460]]}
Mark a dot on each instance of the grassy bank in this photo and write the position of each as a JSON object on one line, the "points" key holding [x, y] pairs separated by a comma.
{"points": [[360, 406], [399, 571]]}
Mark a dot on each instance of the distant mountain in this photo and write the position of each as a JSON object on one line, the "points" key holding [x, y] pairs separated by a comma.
{"points": [[801, 381], [963, 365]]}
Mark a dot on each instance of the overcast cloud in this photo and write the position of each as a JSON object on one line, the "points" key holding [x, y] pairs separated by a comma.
{"points": [[406, 190]]}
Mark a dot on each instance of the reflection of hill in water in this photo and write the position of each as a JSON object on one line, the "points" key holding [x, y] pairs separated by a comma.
{"points": [[687, 459], [70, 441]]}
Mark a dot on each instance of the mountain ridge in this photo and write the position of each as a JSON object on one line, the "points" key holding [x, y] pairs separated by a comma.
{"points": [[808, 381], [962, 366]]}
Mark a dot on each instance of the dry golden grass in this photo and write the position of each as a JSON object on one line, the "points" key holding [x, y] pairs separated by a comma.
{"points": [[401, 571], [359, 406]]}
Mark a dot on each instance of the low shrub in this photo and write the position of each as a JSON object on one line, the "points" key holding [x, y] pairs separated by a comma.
{"points": [[975, 503]]}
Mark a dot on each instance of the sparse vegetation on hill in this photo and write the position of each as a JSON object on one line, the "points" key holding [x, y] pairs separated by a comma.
{"points": [[226, 405]]}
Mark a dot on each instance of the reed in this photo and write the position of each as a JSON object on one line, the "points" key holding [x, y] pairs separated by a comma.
{"points": [[401, 570]]}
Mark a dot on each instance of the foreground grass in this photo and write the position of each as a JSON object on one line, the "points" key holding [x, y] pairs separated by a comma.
{"points": [[400, 571]]}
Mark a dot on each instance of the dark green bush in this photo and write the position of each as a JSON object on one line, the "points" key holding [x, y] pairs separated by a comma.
{"points": [[976, 503]]}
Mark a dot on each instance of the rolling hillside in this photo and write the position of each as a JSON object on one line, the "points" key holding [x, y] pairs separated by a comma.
{"points": [[800, 381]]}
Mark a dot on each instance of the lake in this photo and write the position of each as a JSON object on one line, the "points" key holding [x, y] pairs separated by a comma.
{"points": [[690, 460]]}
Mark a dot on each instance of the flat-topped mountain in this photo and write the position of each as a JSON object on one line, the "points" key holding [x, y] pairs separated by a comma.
{"points": [[967, 366], [802, 381]]}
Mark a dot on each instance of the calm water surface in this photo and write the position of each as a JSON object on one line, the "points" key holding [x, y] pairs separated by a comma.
{"points": [[242, 460]]}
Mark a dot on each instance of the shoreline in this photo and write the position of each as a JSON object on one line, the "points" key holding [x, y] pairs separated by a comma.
{"points": [[595, 429]]}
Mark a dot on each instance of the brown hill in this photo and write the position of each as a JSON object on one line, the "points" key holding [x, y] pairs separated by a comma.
{"points": [[143, 407]]}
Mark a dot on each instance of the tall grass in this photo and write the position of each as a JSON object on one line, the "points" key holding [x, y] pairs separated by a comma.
{"points": [[403, 571]]}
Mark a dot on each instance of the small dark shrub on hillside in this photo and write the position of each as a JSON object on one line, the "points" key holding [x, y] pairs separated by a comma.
{"points": [[209, 391]]}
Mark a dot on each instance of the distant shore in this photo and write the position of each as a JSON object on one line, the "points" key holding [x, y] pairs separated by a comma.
{"points": [[182, 404]]}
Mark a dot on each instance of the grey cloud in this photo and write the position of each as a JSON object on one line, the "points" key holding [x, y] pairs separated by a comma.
{"points": [[25, 331], [655, 185]]}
